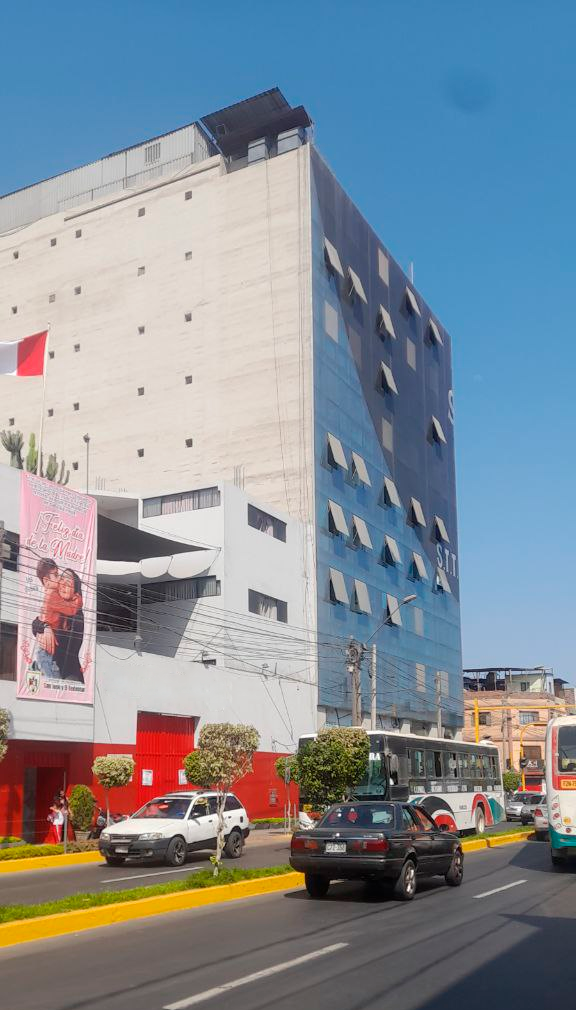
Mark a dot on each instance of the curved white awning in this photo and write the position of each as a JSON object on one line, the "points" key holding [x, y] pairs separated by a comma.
{"points": [[175, 566]]}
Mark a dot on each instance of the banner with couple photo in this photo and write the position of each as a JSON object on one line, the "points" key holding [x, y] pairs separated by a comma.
{"points": [[57, 593]]}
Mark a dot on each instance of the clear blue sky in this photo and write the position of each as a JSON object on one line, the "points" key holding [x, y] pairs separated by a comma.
{"points": [[451, 124]]}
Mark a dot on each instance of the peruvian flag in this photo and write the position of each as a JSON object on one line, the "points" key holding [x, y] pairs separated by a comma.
{"points": [[24, 357]]}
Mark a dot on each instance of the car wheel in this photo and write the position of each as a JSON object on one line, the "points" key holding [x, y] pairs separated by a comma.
{"points": [[234, 845], [480, 821], [541, 836], [176, 854], [455, 874], [316, 885], [114, 860], [405, 886], [525, 822]]}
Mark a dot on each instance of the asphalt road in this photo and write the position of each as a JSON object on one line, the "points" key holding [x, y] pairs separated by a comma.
{"points": [[31, 886], [505, 938], [34, 886]]}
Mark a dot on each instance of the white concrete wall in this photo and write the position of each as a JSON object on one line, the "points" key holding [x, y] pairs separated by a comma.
{"points": [[248, 346], [265, 672]]}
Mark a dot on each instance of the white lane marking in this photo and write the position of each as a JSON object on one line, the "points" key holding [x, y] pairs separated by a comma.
{"points": [[157, 873], [265, 973], [486, 894]]}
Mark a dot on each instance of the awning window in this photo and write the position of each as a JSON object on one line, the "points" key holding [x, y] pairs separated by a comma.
{"points": [[419, 566], [388, 382], [332, 258], [360, 532], [417, 512], [356, 286], [336, 455], [385, 324], [391, 550], [391, 495], [441, 530], [412, 302], [442, 580], [393, 616], [438, 431], [361, 597], [435, 334], [336, 519], [360, 469], [338, 591]]}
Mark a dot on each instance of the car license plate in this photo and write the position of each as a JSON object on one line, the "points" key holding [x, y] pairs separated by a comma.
{"points": [[120, 848], [335, 847]]}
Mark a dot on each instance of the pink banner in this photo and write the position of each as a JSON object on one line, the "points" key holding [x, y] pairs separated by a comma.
{"points": [[57, 593]]}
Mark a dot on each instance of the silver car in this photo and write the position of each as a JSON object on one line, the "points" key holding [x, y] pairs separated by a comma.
{"points": [[516, 802], [527, 812], [541, 820]]}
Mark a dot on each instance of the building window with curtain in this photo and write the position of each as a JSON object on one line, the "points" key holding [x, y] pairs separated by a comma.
{"points": [[8, 642], [267, 606], [266, 523], [186, 501], [180, 589], [527, 717]]}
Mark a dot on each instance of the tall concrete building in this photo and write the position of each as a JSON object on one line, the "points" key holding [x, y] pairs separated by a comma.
{"points": [[220, 310]]}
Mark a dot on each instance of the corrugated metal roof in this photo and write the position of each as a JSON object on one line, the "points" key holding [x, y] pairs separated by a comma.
{"points": [[132, 167]]}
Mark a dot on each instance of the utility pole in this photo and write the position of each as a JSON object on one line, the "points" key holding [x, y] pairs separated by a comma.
{"points": [[373, 685], [354, 655], [438, 685]]}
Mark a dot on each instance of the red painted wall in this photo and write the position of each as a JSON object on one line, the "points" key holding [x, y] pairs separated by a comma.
{"points": [[262, 792]]}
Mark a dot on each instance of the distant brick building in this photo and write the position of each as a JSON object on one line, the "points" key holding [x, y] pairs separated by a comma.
{"points": [[509, 702]]}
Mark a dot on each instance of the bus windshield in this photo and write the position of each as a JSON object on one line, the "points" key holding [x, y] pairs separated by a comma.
{"points": [[374, 782], [567, 749]]}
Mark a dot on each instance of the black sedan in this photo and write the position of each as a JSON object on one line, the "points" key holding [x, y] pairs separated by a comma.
{"points": [[387, 843]]}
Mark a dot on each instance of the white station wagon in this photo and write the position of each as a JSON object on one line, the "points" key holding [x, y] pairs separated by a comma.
{"points": [[170, 827]]}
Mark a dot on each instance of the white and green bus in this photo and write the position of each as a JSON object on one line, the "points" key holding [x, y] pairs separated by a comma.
{"points": [[458, 783], [561, 786]]}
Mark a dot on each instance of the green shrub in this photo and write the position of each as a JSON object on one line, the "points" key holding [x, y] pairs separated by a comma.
{"points": [[82, 803]]}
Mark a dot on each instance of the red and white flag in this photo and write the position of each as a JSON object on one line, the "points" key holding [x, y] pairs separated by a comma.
{"points": [[24, 357]]}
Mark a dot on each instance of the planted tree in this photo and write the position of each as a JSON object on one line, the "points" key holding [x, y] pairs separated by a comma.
{"points": [[4, 727], [330, 766], [82, 803], [224, 755], [113, 771], [511, 780]]}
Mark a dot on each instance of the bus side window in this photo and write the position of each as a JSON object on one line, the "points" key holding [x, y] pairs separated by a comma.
{"points": [[433, 764], [450, 765], [464, 765], [487, 771], [417, 764]]}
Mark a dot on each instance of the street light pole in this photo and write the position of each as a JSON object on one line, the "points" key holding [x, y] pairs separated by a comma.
{"points": [[87, 441], [373, 658]]}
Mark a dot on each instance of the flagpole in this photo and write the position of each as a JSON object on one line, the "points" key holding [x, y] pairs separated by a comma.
{"points": [[44, 372]]}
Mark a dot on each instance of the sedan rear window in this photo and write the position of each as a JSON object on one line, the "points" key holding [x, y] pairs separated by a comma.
{"points": [[349, 815]]}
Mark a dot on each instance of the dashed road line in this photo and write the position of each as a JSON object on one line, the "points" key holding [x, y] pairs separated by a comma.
{"points": [[265, 973]]}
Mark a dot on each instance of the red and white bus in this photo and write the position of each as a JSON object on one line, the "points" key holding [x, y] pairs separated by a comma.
{"points": [[459, 784]]}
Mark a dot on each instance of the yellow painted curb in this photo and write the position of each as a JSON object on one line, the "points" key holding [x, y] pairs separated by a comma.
{"points": [[49, 862], [47, 926], [495, 840], [474, 845]]}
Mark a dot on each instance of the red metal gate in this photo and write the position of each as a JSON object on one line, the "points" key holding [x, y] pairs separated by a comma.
{"points": [[162, 741]]}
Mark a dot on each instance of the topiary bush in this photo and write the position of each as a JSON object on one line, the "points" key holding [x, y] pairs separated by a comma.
{"points": [[82, 803]]}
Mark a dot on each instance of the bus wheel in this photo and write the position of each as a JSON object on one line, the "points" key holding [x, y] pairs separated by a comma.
{"points": [[480, 821], [557, 859]]}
